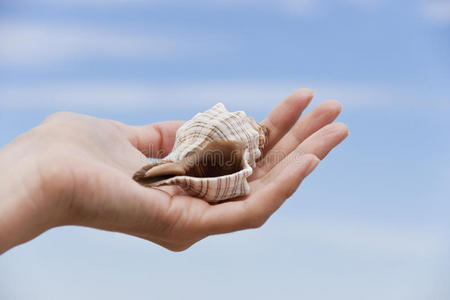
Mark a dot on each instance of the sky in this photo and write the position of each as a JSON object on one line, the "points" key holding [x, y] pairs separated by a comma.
{"points": [[372, 222]]}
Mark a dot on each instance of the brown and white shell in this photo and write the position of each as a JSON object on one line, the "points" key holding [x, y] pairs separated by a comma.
{"points": [[212, 157]]}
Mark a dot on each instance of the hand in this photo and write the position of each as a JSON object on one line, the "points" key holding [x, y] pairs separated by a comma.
{"points": [[76, 170]]}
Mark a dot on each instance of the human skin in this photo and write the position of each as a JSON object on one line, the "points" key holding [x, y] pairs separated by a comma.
{"points": [[77, 170]]}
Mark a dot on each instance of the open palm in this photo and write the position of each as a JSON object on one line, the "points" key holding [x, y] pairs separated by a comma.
{"points": [[93, 161]]}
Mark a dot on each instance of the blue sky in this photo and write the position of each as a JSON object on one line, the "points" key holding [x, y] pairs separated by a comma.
{"points": [[370, 223]]}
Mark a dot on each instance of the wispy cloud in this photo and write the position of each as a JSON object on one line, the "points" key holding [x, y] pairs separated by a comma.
{"points": [[299, 3], [376, 239], [354, 260], [300, 8], [238, 94], [437, 11], [42, 43], [28, 44], [350, 235], [365, 3]]}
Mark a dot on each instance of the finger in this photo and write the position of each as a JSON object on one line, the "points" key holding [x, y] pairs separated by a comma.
{"points": [[325, 113], [324, 140], [153, 140], [266, 197], [285, 114]]}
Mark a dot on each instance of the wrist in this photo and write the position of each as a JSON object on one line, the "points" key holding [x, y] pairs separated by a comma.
{"points": [[25, 208]]}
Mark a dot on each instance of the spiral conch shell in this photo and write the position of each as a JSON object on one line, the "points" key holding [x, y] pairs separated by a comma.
{"points": [[212, 157]]}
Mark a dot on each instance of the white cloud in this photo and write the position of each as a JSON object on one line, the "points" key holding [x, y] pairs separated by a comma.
{"points": [[301, 8], [116, 3], [352, 259], [376, 239], [351, 235], [364, 3], [437, 11], [219, 3], [31, 45], [236, 94], [355, 237], [28, 44], [298, 3]]}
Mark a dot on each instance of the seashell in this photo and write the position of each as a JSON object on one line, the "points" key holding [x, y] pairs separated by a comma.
{"points": [[212, 157]]}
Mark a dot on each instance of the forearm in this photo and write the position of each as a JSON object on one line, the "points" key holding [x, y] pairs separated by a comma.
{"points": [[16, 216], [21, 215]]}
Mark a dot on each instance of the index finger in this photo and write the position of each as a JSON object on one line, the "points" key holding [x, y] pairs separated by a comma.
{"points": [[154, 140]]}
